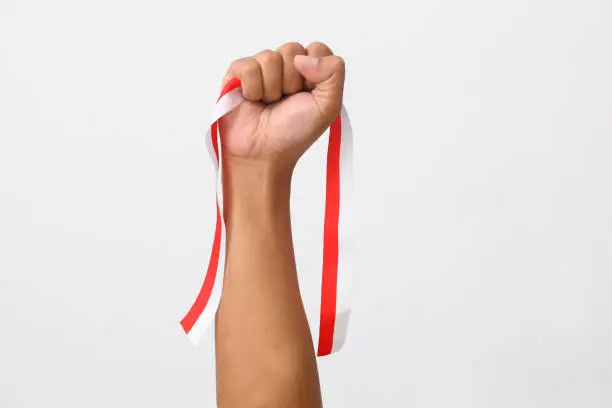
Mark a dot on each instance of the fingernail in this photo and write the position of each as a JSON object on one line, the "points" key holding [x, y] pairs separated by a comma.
{"points": [[306, 61]]}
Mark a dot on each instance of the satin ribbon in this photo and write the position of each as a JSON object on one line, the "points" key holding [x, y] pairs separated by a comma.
{"points": [[337, 237]]}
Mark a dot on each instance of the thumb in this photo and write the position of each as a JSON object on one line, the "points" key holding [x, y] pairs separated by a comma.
{"points": [[327, 73]]}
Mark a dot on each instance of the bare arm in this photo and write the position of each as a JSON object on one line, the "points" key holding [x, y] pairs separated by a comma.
{"points": [[265, 355]]}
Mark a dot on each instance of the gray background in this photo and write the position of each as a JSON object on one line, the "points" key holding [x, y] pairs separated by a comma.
{"points": [[483, 179]]}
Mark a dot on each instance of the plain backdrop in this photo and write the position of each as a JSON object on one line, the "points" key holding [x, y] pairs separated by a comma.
{"points": [[483, 178]]}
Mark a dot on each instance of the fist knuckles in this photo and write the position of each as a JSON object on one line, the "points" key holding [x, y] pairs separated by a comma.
{"points": [[268, 76]]}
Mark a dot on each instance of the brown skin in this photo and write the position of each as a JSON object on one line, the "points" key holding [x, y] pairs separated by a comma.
{"points": [[264, 349]]}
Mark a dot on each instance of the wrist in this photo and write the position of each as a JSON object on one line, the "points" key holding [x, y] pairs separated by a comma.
{"points": [[254, 189]]}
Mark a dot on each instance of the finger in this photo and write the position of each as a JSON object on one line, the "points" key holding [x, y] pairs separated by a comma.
{"points": [[319, 50], [271, 64], [327, 74], [293, 81], [248, 71]]}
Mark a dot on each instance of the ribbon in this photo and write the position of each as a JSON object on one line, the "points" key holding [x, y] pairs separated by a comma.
{"points": [[337, 238]]}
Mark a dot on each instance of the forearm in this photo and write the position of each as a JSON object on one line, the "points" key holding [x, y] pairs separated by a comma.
{"points": [[265, 356]]}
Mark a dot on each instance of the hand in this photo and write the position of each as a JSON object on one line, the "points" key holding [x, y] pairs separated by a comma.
{"points": [[292, 96]]}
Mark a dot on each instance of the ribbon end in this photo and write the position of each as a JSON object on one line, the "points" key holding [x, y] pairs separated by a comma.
{"points": [[195, 339], [191, 334]]}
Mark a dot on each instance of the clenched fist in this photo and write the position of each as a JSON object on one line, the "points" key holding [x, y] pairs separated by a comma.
{"points": [[291, 96]]}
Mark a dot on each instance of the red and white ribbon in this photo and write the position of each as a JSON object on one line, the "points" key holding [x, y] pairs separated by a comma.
{"points": [[337, 237]]}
